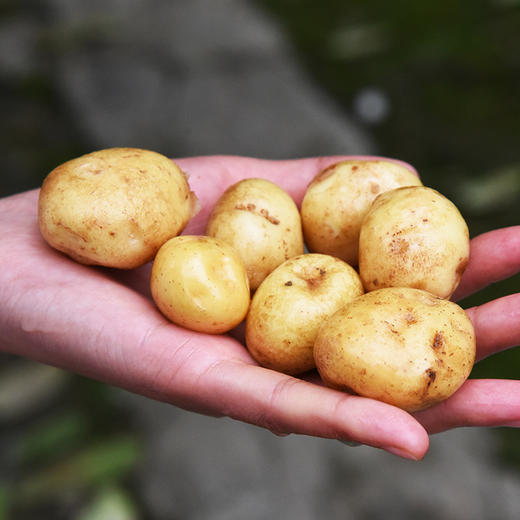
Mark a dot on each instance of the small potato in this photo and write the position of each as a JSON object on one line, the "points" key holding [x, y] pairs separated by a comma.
{"points": [[262, 222], [402, 346], [114, 207], [291, 304], [413, 237], [339, 197], [200, 283]]}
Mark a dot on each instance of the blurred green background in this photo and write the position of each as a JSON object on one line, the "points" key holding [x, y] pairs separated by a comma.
{"points": [[436, 84]]}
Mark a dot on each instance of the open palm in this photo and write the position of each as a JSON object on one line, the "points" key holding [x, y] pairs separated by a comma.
{"points": [[102, 323]]}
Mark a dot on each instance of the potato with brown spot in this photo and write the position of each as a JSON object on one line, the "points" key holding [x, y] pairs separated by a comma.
{"points": [[413, 237], [114, 207], [291, 304], [339, 197], [403, 346], [200, 283], [262, 222]]}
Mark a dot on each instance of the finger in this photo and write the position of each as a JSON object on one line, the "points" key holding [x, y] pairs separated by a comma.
{"points": [[494, 256], [479, 402], [215, 375], [210, 176], [497, 325], [286, 405]]}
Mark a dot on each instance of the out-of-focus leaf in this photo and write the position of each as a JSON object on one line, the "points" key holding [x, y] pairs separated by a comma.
{"points": [[4, 503], [499, 188], [111, 503], [52, 436], [357, 41], [109, 460]]}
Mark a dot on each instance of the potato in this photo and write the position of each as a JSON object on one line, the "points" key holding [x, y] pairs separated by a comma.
{"points": [[262, 222], [339, 197], [200, 283], [413, 237], [290, 305], [403, 346], [114, 207]]}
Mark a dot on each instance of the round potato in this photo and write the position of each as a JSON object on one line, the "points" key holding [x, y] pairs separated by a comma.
{"points": [[262, 222], [403, 346], [114, 207], [200, 283], [291, 304], [413, 237], [339, 197]]}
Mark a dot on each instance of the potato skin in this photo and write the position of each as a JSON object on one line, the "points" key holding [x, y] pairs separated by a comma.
{"points": [[114, 207], [200, 283], [413, 237], [339, 197], [262, 222], [403, 346], [290, 305]]}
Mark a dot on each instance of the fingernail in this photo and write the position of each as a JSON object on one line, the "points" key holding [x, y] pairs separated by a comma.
{"points": [[400, 452], [352, 444]]}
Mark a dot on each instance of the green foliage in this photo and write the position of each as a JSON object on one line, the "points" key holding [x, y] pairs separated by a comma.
{"points": [[77, 454]]}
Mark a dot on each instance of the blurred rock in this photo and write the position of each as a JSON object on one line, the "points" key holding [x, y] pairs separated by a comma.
{"points": [[18, 45], [26, 387], [202, 468], [191, 78]]}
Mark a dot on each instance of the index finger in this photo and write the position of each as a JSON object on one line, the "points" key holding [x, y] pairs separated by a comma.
{"points": [[210, 176], [494, 256]]}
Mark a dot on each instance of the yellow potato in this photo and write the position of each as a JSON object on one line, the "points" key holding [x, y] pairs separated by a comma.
{"points": [[339, 197], [200, 283], [262, 222], [403, 346], [413, 237], [114, 207], [291, 304]]}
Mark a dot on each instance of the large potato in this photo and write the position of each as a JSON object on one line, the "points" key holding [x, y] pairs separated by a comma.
{"points": [[200, 283], [339, 197], [291, 304], [403, 346], [262, 222], [114, 207], [413, 237]]}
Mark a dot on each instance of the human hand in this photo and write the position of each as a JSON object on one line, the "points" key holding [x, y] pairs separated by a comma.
{"points": [[102, 323]]}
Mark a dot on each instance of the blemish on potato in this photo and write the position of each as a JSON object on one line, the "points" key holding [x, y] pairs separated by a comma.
{"points": [[438, 341], [463, 263], [261, 213], [431, 374], [327, 172], [269, 217], [410, 318], [392, 327], [399, 246]]}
